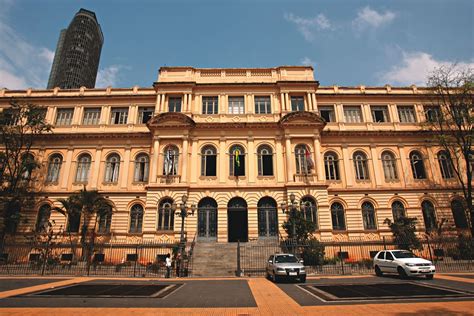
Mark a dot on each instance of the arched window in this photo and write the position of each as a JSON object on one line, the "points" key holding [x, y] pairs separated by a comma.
{"points": [[165, 215], [360, 166], [28, 164], [43, 217], [170, 165], [398, 211], [73, 221], [265, 161], [83, 167], [304, 162], [207, 218], [417, 165], [208, 161], [429, 215], [142, 167], [368, 216], [104, 220], [337, 216], [267, 217], [237, 161], [389, 164], [112, 168], [136, 218], [331, 166], [445, 164], [459, 214], [310, 209], [54, 166]]}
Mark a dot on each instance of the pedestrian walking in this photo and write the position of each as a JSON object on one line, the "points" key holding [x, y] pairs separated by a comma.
{"points": [[168, 265]]}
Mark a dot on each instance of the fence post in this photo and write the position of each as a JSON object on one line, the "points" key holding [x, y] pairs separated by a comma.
{"points": [[429, 248], [384, 244], [45, 257], [136, 259], [342, 260], [238, 259]]}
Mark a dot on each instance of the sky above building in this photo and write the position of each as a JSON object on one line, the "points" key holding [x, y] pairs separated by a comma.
{"points": [[347, 42]]}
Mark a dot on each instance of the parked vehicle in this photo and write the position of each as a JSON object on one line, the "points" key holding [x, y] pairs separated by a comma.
{"points": [[285, 266], [404, 263]]}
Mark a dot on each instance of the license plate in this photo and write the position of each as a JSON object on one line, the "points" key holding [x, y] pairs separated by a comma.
{"points": [[293, 273]]}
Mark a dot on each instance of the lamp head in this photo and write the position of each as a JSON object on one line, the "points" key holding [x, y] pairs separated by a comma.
{"points": [[292, 197], [184, 198]]}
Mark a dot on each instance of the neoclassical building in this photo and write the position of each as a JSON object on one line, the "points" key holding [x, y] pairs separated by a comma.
{"points": [[238, 142]]}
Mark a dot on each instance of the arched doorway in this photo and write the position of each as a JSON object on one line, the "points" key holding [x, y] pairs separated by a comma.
{"points": [[237, 220], [207, 219], [267, 218]]}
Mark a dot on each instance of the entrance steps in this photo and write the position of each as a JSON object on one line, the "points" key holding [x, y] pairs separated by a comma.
{"points": [[212, 259]]}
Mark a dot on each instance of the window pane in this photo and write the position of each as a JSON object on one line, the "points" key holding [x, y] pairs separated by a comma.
{"points": [[210, 105], [174, 104], [91, 116], [64, 117], [262, 105], [119, 116], [406, 114], [379, 114], [352, 114], [327, 113], [236, 105], [297, 104], [145, 114]]}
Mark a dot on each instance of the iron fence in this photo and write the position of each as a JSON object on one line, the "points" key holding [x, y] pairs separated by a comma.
{"points": [[145, 259], [355, 256]]}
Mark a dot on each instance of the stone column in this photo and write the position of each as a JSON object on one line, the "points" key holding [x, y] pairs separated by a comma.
{"points": [[347, 166], [251, 160], [309, 102], [433, 164], [184, 165], [280, 165], [94, 172], [315, 103], [318, 161], [194, 158], [67, 169], [282, 103], [289, 167], [157, 104], [126, 168], [406, 168], [378, 173], [287, 101], [154, 160], [162, 103], [222, 160]]}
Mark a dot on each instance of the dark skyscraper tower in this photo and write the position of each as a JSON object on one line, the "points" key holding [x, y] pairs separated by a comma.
{"points": [[76, 61]]}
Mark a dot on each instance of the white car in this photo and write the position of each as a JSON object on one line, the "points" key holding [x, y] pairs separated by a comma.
{"points": [[404, 263], [285, 266]]}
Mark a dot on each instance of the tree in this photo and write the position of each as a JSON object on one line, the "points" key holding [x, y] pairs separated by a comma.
{"points": [[404, 232], [303, 228], [20, 127], [452, 125], [70, 208]]}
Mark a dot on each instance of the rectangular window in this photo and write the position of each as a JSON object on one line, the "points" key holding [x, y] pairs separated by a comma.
{"points": [[263, 105], [91, 116], [327, 113], [145, 114], [10, 117], [174, 104], [297, 104], [406, 114], [379, 114], [210, 105], [119, 116], [432, 113], [236, 105], [352, 114], [64, 117]]}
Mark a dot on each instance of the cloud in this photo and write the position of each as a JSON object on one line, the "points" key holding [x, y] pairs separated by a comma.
{"points": [[108, 76], [415, 68], [22, 64], [306, 61], [309, 27], [370, 18]]}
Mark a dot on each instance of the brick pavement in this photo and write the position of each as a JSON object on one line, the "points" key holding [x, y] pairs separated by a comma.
{"points": [[270, 299]]}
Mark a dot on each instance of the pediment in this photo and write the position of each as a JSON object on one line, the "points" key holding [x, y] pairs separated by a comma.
{"points": [[170, 119], [302, 118]]}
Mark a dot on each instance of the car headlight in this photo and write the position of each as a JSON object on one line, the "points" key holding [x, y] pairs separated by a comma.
{"points": [[410, 264]]}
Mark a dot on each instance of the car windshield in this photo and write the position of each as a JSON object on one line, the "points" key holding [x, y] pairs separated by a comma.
{"points": [[285, 259], [403, 254]]}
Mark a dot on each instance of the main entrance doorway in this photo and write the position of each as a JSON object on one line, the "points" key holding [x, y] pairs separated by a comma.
{"points": [[267, 218], [237, 220], [207, 219]]}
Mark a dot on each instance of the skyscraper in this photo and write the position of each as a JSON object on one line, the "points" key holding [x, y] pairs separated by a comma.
{"points": [[76, 61]]}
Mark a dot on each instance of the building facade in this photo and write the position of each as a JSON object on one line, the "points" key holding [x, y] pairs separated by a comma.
{"points": [[77, 56], [238, 143]]}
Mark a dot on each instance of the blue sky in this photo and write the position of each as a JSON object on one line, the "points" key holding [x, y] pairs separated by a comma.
{"points": [[347, 42]]}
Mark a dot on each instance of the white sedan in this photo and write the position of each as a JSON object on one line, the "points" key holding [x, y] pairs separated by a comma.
{"points": [[402, 262]]}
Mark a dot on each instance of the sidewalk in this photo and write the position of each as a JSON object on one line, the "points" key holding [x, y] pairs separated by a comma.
{"points": [[270, 300]]}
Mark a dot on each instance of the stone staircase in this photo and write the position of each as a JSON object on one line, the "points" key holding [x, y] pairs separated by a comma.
{"points": [[211, 259]]}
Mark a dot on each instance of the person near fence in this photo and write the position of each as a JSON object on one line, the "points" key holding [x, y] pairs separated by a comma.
{"points": [[178, 263], [168, 263]]}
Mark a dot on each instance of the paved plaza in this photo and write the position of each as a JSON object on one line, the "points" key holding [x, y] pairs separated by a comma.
{"points": [[231, 296]]}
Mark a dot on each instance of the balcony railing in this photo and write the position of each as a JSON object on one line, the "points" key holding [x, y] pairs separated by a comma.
{"points": [[304, 177], [169, 179]]}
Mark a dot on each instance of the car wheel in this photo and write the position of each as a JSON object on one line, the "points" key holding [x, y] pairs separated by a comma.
{"points": [[303, 279], [429, 276], [267, 275], [378, 272], [402, 273], [276, 278]]}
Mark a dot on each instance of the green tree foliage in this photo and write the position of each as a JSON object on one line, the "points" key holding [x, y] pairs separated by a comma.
{"points": [[313, 253], [303, 228], [20, 126], [452, 126], [404, 232]]}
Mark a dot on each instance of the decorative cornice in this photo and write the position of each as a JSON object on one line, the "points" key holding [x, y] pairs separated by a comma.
{"points": [[170, 120], [302, 118]]}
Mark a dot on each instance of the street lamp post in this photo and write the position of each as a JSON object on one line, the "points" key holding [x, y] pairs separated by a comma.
{"points": [[184, 211]]}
